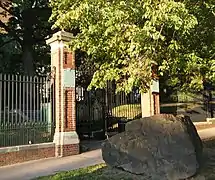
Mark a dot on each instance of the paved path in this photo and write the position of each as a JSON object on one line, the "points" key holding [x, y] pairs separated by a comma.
{"points": [[32, 169]]}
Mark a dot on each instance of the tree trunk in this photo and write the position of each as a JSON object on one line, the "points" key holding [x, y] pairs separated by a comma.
{"points": [[27, 60], [27, 46], [30, 87]]}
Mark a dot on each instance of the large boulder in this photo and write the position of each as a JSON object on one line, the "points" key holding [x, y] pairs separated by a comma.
{"points": [[160, 147]]}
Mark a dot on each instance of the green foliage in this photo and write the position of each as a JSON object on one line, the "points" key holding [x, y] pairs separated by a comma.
{"points": [[22, 47], [191, 58], [85, 69], [125, 38], [10, 52]]}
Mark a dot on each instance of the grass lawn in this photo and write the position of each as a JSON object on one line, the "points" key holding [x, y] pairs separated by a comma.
{"points": [[97, 172], [127, 111], [102, 172]]}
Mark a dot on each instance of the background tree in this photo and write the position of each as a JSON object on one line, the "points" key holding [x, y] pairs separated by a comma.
{"points": [[26, 31], [85, 69], [190, 60]]}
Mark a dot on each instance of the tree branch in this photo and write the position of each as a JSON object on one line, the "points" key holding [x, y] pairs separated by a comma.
{"points": [[9, 31], [8, 10], [4, 26], [36, 3], [5, 9], [4, 43]]}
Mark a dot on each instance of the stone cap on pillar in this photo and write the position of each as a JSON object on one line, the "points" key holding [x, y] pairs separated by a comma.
{"points": [[60, 36]]}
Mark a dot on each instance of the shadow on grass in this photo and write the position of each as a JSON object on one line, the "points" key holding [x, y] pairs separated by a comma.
{"points": [[97, 172], [169, 109]]}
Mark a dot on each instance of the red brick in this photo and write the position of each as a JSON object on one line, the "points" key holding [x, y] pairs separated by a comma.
{"points": [[26, 155], [69, 149], [68, 59], [69, 113]]}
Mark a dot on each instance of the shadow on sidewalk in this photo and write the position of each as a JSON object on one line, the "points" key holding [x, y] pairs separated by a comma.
{"points": [[90, 145]]}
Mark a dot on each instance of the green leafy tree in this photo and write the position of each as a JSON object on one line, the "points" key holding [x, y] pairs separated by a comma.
{"points": [[191, 60], [26, 29], [9, 54], [85, 69], [124, 39]]}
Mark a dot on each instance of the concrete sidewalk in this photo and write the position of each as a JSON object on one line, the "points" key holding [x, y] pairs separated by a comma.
{"points": [[33, 169]]}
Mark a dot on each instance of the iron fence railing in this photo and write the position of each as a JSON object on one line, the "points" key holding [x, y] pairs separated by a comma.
{"points": [[199, 105], [122, 105], [25, 110], [102, 109]]}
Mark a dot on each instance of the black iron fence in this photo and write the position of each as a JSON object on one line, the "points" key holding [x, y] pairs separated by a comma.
{"points": [[25, 110], [99, 111], [198, 105], [121, 107], [90, 111]]}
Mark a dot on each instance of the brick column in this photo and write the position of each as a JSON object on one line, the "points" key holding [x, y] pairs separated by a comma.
{"points": [[63, 61], [156, 100]]}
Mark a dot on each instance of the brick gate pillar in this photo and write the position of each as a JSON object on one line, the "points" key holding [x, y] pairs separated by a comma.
{"points": [[63, 62]]}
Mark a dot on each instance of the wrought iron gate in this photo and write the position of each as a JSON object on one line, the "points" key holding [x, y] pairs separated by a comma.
{"points": [[100, 111], [90, 112], [121, 107]]}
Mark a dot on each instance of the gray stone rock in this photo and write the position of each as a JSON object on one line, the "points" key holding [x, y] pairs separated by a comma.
{"points": [[161, 147]]}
